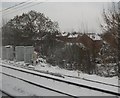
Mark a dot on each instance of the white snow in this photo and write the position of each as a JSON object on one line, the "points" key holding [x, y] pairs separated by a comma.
{"points": [[60, 86], [64, 33], [8, 46], [73, 36], [44, 66], [94, 36], [20, 88]]}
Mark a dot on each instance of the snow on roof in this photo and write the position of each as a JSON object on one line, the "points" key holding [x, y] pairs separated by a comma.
{"points": [[94, 36], [64, 34], [73, 36], [8, 46]]}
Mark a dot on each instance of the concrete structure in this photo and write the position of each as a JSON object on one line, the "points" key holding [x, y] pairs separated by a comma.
{"points": [[7, 53], [22, 53], [4, 53], [19, 53], [28, 52]]}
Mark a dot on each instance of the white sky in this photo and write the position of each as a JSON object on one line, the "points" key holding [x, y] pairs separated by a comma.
{"points": [[70, 15]]}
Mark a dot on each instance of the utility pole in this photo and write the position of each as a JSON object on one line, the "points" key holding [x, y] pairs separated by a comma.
{"points": [[119, 40]]}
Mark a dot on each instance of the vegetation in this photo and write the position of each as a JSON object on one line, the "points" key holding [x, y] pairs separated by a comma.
{"points": [[112, 26], [25, 29], [34, 28]]}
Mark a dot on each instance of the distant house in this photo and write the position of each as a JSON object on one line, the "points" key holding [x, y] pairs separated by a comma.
{"points": [[94, 36], [85, 40], [63, 36], [91, 41]]}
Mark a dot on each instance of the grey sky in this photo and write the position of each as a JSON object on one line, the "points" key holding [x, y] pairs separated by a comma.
{"points": [[70, 15]]}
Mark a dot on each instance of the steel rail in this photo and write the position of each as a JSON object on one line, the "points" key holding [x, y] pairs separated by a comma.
{"points": [[65, 81], [38, 85], [8, 95]]}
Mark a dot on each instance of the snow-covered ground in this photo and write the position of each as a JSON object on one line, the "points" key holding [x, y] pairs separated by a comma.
{"points": [[110, 80], [43, 66], [15, 85]]}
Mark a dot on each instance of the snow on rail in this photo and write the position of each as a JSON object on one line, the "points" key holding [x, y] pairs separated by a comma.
{"points": [[58, 81], [6, 94], [20, 87], [93, 81], [38, 85]]}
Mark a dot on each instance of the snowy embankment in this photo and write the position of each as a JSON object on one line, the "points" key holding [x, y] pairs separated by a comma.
{"points": [[49, 83], [43, 66], [56, 69]]}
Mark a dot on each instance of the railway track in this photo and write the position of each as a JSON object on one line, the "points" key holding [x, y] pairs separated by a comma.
{"points": [[62, 75], [56, 79], [92, 81], [6, 95], [40, 85]]}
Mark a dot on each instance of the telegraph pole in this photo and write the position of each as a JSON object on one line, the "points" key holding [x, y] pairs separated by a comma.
{"points": [[119, 40]]}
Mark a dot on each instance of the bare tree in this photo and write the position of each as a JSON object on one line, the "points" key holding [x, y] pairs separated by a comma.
{"points": [[112, 25]]}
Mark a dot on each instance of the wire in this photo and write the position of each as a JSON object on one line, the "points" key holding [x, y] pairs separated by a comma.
{"points": [[23, 8], [17, 5], [12, 6]]}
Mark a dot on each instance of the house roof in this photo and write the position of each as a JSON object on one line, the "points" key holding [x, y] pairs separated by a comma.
{"points": [[94, 36]]}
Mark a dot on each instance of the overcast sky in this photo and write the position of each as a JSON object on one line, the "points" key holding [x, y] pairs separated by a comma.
{"points": [[69, 15]]}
